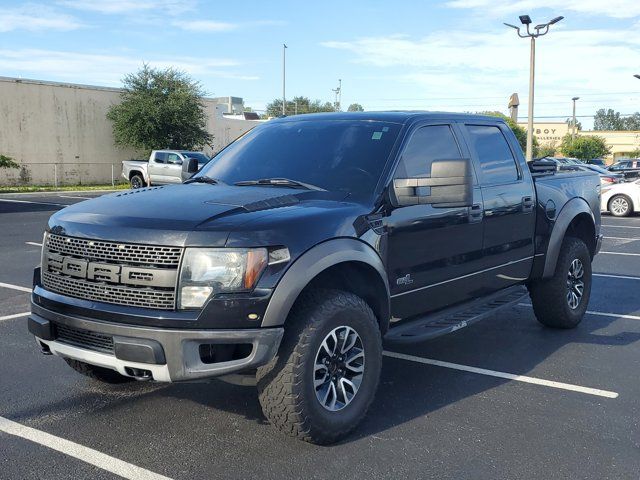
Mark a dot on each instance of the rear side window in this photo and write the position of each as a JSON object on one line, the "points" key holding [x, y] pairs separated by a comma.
{"points": [[496, 159], [161, 157], [435, 142]]}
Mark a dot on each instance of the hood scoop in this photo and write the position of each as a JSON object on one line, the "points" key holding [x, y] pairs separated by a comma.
{"points": [[269, 203]]}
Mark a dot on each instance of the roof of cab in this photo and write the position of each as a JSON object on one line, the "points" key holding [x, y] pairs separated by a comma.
{"points": [[390, 116]]}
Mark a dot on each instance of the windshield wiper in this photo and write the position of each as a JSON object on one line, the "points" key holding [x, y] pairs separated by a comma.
{"points": [[205, 179], [280, 182]]}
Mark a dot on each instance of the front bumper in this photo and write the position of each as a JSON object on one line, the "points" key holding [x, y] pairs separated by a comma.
{"points": [[167, 355]]}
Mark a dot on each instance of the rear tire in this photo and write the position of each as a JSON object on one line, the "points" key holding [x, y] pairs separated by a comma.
{"points": [[620, 206], [137, 181], [295, 388], [99, 374], [561, 301]]}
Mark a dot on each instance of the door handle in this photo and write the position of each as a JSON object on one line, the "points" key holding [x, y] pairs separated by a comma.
{"points": [[475, 213], [527, 204]]}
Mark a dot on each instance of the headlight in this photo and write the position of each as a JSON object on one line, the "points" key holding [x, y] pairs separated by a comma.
{"points": [[206, 271]]}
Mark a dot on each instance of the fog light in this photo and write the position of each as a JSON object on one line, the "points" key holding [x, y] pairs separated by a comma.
{"points": [[195, 296]]}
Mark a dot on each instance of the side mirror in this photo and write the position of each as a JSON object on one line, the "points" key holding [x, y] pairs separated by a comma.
{"points": [[450, 185], [189, 167]]}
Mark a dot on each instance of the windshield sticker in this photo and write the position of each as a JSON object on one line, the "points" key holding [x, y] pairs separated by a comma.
{"points": [[376, 136], [385, 129]]}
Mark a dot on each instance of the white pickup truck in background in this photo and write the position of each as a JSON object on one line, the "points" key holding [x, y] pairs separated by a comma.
{"points": [[163, 166]]}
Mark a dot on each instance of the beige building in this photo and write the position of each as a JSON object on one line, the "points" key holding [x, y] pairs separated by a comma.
{"points": [[622, 143], [59, 133]]}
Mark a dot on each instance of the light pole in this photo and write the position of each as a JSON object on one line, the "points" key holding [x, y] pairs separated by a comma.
{"points": [[573, 131], [284, 77], [539, 30], [637, 76]]}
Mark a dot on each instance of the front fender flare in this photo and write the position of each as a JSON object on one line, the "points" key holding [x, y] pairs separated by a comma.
{"points": [[571, 210], [309, 265]]}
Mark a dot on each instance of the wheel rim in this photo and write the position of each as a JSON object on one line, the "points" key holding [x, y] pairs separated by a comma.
{"points": [[338, 368], [136, 183], [575, 284], [619, 206]]}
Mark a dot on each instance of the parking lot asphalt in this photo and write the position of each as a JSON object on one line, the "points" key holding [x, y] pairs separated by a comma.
{"points": [[545, 404]]}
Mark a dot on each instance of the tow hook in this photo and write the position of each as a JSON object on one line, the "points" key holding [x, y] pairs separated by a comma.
{"points": [[44, 349]]}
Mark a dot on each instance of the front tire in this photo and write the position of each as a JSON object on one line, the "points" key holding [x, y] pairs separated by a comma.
{"points": [[620, 206], [321, 383], [561, 301]]}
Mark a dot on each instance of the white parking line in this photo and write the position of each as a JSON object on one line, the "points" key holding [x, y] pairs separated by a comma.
{"points": [[619, 226], [603, 314], [34, 243], [624, 277], [75, 450], [622, 238], [15, 315], [508, 376], [15, 287], [37, 203], [71, 196], [620, 253]]}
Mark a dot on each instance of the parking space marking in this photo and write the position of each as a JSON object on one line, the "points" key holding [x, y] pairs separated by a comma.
{"points": [[622, 238], [15, 287], [71, 196], [509, 376], [619, 226], [34, 243], [621, 253], [29, 201], [15, 315], [592, 312], [80, 452], [623, 277]]}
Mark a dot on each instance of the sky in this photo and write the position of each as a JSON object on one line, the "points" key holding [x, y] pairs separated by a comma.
{"points": [[452, 55]]}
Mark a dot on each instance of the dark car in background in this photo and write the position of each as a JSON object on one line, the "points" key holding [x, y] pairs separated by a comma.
{"points": [[629, 167]]}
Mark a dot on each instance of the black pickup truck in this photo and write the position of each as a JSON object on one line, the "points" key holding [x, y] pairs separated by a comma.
{"points": [[309, 241]]}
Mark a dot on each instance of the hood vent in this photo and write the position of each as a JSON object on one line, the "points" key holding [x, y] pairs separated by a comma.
{"points": [[269, 203]]}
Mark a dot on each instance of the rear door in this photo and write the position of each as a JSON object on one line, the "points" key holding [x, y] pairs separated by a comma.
{"points": [[431, 251], [509, 203], [157, 168]]}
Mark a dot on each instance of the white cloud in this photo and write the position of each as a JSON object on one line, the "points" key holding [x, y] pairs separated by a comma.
{"points": [[480, 70], [215, 26], [104, 69], [34, 17], [172, 7], [609, 8]]}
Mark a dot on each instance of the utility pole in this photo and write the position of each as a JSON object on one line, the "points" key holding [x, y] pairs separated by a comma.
{"points": [[338, 92], [539, 30], [573, 131], [284, 78]]}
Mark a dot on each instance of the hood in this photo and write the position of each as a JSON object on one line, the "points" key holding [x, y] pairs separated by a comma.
{"points": [[169, 214]]}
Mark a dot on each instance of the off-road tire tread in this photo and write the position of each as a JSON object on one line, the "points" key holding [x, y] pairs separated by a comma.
{"points": [[280, 393], [548, 296]]}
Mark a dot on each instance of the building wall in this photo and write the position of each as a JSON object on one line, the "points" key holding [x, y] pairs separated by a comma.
{"points": [[59, 132], [622, 143]]}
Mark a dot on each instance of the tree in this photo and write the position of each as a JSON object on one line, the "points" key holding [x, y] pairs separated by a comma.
{"points": [[519, 132], [607, 120], [298, 105], [632, 122], [355, 107], [160, 109], [635, 153], [569, 121], [584, 148], [7, 162], [547, 150]]}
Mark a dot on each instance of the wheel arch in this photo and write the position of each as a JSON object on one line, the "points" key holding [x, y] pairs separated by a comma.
{"points": [[577, 220], [343, 263], [133, 172]]}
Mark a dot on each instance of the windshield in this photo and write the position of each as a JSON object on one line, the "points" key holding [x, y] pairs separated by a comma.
{"points": [[344, 155]]}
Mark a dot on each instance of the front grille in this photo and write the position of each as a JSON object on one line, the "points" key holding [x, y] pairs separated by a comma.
{"points": [[124, 253], [109, 293], [84, 339], [111, 272]]}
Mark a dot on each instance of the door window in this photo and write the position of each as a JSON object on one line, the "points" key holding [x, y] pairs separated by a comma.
{"points": [[435, 142], [496, 158], [174, 159], [161, 157]]}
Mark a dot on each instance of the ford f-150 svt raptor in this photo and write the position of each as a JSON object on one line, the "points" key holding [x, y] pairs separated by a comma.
{"points": [[306, 243]]}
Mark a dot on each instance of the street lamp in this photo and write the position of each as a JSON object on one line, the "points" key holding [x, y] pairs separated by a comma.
{"points": [[637, 76], [284, 101], [573, 134], [539, 30]]}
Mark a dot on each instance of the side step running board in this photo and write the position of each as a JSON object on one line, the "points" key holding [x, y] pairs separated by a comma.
{"points": [[453, 318]]}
